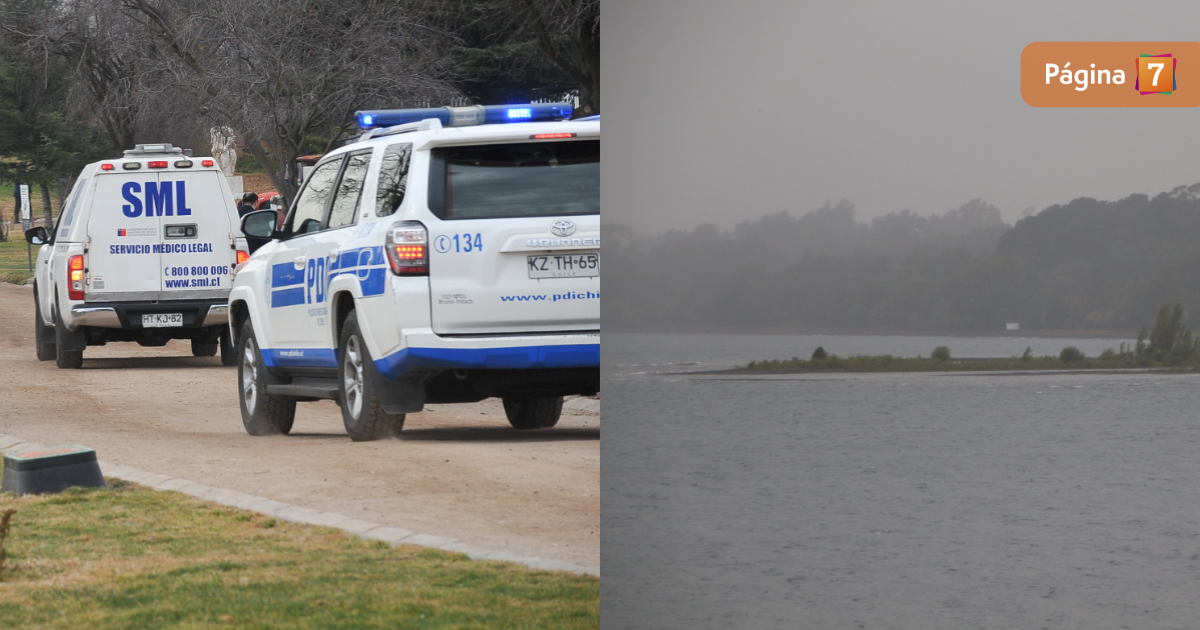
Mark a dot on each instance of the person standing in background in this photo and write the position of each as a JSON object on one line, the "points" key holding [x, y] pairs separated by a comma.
{"points": [[249, 204]]}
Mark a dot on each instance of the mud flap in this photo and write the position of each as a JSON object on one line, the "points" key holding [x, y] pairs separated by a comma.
{"points": [[400, 396]]}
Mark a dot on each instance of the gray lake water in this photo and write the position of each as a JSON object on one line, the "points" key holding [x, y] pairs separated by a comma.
{"points": [[916, 501]]}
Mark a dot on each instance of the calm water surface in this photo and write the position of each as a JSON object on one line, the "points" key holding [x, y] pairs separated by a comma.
{"points": [[895, 500]]}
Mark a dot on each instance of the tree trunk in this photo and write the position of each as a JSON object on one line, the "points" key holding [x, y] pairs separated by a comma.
{"points": [[47, 206], [286, 186]]}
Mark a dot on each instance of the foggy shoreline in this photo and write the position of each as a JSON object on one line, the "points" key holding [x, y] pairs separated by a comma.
{"points": [[881, 332]]}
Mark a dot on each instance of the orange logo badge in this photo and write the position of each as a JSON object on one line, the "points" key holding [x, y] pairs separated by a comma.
{"points": [[1111, 74]]}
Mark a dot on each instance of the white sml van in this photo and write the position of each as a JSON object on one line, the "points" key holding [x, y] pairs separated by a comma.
{"points": [[142, 251]]}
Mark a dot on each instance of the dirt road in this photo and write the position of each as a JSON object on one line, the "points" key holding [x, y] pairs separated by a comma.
{"points": [[456, 470]]}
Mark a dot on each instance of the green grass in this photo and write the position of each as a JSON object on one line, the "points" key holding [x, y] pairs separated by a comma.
{"points": [[247, 163], [14, 261], [131, 557]]}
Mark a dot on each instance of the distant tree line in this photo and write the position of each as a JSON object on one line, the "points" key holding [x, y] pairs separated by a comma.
{"points": [[1085, 265]]}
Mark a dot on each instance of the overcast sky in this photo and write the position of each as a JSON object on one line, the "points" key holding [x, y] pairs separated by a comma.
{"points": [[721, 111]]}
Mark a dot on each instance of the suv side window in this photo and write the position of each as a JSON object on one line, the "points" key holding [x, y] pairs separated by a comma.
{"points": [[349, 190], [393, 179], [314, 200]]}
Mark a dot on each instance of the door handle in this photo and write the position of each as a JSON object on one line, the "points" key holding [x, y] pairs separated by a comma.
{"points": [[300, 261]]}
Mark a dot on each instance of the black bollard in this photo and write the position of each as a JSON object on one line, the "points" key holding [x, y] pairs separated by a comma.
{"points": [[51, 470]]}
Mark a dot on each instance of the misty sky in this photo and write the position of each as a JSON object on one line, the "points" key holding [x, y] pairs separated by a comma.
{"points": [[721, 111]]}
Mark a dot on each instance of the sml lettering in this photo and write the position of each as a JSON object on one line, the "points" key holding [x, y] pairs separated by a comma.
{"points": [[161, 199]]}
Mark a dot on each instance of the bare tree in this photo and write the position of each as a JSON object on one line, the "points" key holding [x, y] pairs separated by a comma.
{"points": [[280, 72], [108, 53]]}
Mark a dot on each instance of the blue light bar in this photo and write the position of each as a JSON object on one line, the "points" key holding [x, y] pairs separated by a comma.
{"points": [[465, 116]]}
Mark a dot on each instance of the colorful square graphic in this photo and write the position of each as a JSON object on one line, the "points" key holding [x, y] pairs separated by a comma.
{"points": [[120, 232], [1156, 74]]}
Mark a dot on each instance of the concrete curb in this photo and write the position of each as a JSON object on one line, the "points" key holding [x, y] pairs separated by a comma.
{"points": [[309, 516]]}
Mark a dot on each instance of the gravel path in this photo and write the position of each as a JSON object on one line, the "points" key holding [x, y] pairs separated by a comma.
{"points": [[457, 471]]}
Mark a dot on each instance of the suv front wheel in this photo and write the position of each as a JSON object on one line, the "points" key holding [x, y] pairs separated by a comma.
{"points": [[262, 413], [362, 413]]}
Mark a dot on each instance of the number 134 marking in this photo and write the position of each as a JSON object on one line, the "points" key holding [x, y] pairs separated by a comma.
{"points": [[459, 243]]}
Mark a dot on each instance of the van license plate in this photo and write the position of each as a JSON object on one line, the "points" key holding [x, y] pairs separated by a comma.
{"points": [[162, 320], [564, 266]]}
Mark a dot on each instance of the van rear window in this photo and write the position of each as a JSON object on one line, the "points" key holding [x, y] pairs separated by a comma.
{"points": [[527, 179]]}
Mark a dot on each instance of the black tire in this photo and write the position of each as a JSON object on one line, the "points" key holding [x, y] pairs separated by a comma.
{"points": [[204, 347], [65, 359], [363, 415], [228, 352], [529, 412], [43, 335], [262, 413]]}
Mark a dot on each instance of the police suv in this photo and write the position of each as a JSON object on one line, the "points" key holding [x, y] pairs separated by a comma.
{"points": [[143, 251], [447, 255]]}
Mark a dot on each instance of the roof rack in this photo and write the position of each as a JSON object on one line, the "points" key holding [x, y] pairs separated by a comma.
{"points": [[154, 149]]}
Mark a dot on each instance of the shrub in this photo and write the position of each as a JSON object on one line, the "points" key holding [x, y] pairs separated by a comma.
{"points": [[1028, 356], [1071, 354], [819, 353], [940, 353]]}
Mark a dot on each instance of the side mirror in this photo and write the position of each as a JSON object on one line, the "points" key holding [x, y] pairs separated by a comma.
{"points": [[259, 224], [36, 236]]}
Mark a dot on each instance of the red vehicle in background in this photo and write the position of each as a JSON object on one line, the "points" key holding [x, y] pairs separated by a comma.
{"points": [[268, 200]]}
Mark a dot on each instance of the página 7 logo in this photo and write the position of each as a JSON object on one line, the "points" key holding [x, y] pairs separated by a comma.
{"points": [[1083, 77]]}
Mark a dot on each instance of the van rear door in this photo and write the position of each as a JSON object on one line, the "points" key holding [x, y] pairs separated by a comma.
{"points": [[196, 255], [123, 257]]}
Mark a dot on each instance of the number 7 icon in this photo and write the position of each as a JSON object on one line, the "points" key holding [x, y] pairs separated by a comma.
{"points": [[1156, 74]]}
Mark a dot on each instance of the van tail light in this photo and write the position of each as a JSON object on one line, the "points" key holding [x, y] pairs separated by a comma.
{"points": [[408, 249], [242, 256], [75, 272]]}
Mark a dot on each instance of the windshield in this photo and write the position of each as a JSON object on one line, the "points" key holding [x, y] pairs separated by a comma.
{"points": [[528, 179]]}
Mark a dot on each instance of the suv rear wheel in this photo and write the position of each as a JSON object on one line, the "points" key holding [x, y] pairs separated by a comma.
{"points": [[262, 413], [363, 415], [530, 412], [43, 335]]}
